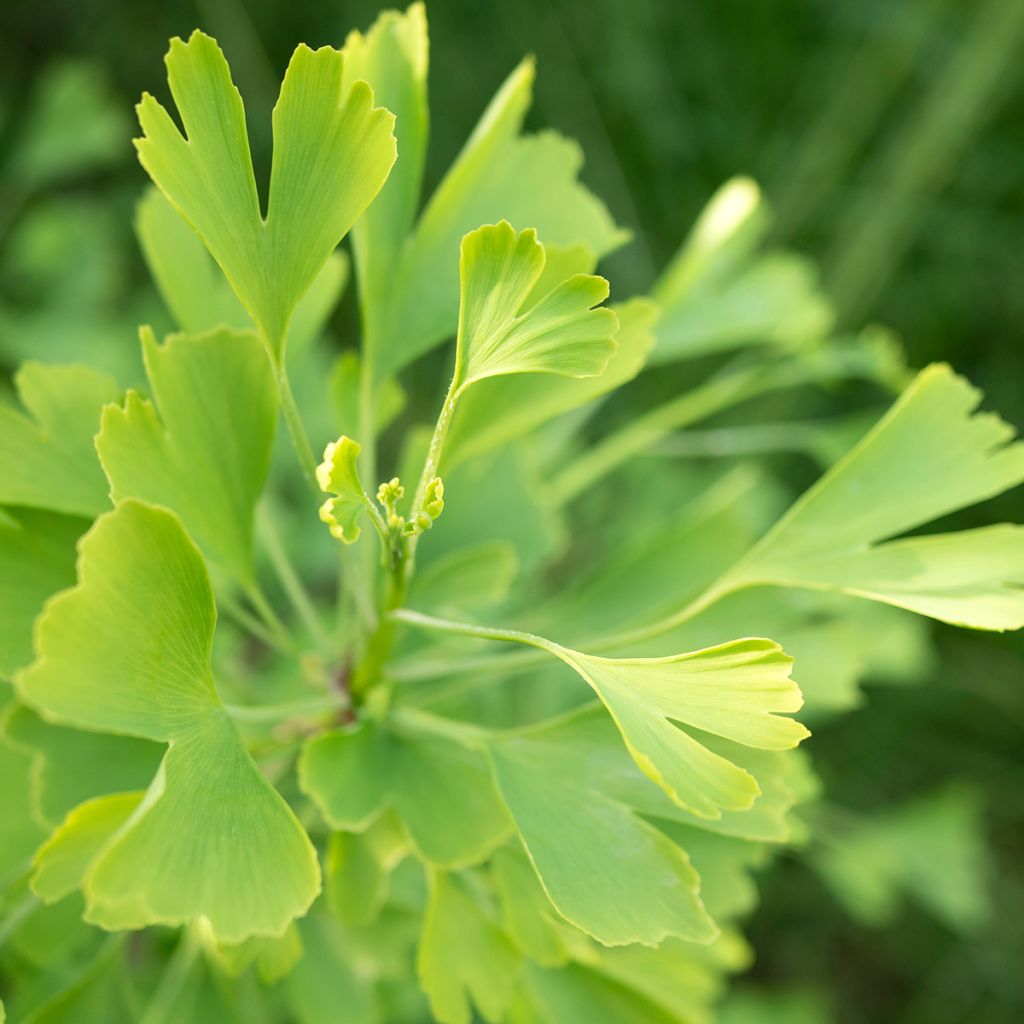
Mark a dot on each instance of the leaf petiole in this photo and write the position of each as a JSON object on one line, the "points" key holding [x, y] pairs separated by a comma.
{"points": [[293, 421]]}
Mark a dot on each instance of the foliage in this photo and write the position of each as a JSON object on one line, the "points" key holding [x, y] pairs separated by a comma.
{"points": [[290, 757]]}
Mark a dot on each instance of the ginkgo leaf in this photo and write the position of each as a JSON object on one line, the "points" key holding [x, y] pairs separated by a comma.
{"points": [[593, 756], [70, 766], [605, 869], [392, 57], [738, 691], [561, 333], [464, 959], [37, 558], [735, 690], [439, 787], [202, 447], [500, 174], [128, 651], [63, 860], [719, 291], [47, 458], [195, 290], [931, 454], [499, 410], [338, 474], [332, 153]]}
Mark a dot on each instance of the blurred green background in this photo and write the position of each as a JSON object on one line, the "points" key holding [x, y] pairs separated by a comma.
{"points": [[888, 136]]}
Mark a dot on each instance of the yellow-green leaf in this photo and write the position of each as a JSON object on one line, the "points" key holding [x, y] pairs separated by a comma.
{"points": [[332, 153], [128, 651]]}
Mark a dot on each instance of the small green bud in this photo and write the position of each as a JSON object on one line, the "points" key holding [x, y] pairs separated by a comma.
{"points": [[433, 500], [390, 492]]}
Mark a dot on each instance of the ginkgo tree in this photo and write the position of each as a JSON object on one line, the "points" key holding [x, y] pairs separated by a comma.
{"points": [[440, 740]]}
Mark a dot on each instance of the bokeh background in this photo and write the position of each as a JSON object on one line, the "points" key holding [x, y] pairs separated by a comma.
{"points": [[888, 135]]}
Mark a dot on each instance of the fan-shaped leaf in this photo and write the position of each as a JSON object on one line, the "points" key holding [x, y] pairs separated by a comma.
{"points": [[605, 869], [196, 292], [128, 651], [930, 455], [332, 153], [463, 956], [203, 448], [500, 333], [500, 174], [499, 410], [439, 787], [47, 459]]}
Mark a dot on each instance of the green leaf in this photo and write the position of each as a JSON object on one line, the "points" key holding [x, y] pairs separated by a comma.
{"points": [[497, 411], [128, 651], [202, 448], [464, 960], [439, 787], [735, 690], [37, 558], [198, 295], [593, 757], [719, 292], [929, 456], [62, 861], [339, 474], [70, 766], [605, 870], [47, 459], [500, 174], [500, 334], [393, 58], [332, 153]]}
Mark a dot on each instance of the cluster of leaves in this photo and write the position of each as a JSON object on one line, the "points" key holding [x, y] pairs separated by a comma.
{"points": [[256, 766]]}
